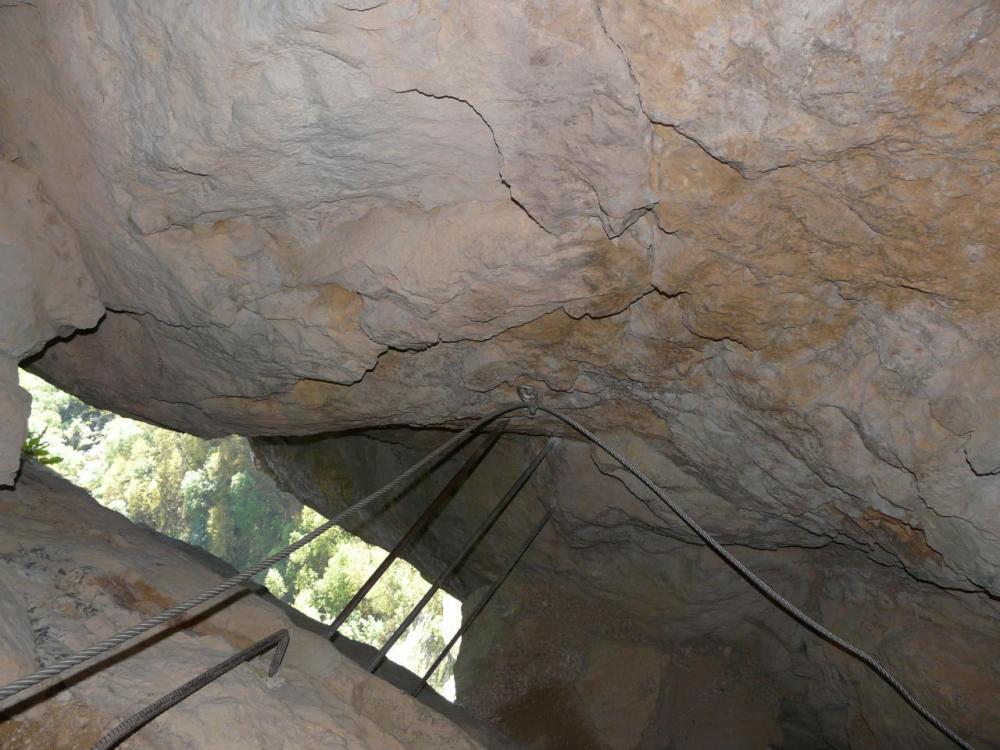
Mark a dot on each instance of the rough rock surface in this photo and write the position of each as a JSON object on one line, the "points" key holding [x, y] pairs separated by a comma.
{"points": [[73, 573], [754, 241], [45, 292], [613, 634], [763, 239]]}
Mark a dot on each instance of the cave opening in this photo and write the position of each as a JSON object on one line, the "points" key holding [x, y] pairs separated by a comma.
{"points": [[618, 618], [211, 493], [749, 245]]}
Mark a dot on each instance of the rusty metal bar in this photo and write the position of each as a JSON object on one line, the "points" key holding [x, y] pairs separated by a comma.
{"points": [[467, 623], [277, 641], [483, 529], [437, 505]]}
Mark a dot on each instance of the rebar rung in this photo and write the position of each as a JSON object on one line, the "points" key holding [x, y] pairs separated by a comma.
{"points": [[444, 497], [484, 601], [278, 641], [483, 529]]}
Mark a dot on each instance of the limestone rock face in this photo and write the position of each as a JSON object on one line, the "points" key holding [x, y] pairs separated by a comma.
{"points": [[73, 573], [45, 291], [761, 239], [755, 243], [619, 632]]}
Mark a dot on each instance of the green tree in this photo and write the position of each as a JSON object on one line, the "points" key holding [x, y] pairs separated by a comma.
{"points": [[210, 493], [321, 578]]}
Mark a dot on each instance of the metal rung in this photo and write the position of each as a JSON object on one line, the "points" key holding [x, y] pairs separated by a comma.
{"points": [[483, 529], [277, 641], [437, 505], [484, 601]]}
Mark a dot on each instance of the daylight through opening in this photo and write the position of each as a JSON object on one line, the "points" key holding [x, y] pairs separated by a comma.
{"points": [[211, 494]]}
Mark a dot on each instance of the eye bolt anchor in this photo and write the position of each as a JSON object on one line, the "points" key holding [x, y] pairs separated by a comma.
{"points": [[529, 396]]}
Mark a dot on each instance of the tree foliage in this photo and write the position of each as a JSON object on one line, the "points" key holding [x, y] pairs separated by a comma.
{"points": [[210, 493]]}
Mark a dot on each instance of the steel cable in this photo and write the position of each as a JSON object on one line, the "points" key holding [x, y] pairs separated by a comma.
{"points": [[761, 585], [430, 460], [386, 490]]}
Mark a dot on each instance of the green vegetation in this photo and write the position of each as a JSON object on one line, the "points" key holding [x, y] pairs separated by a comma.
{"points": [[36, 449], [209, 493]]}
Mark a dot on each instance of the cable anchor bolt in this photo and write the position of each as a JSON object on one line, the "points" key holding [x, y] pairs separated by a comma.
{"points": [[529, 396]]}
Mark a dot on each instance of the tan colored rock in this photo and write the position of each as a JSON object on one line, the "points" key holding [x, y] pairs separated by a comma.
{"points": [[74, 573], [732, 671], [620, 687], [612, 633], [755, 244], [763, 87], [15, 405], [819, 339], [45, 292]]}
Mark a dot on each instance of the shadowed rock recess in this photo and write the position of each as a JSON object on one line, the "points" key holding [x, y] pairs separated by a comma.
{"points": [[753, 244]]}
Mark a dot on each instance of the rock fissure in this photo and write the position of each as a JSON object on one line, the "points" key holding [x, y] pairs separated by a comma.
{"points": [[754, 245], [496, 144]]}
